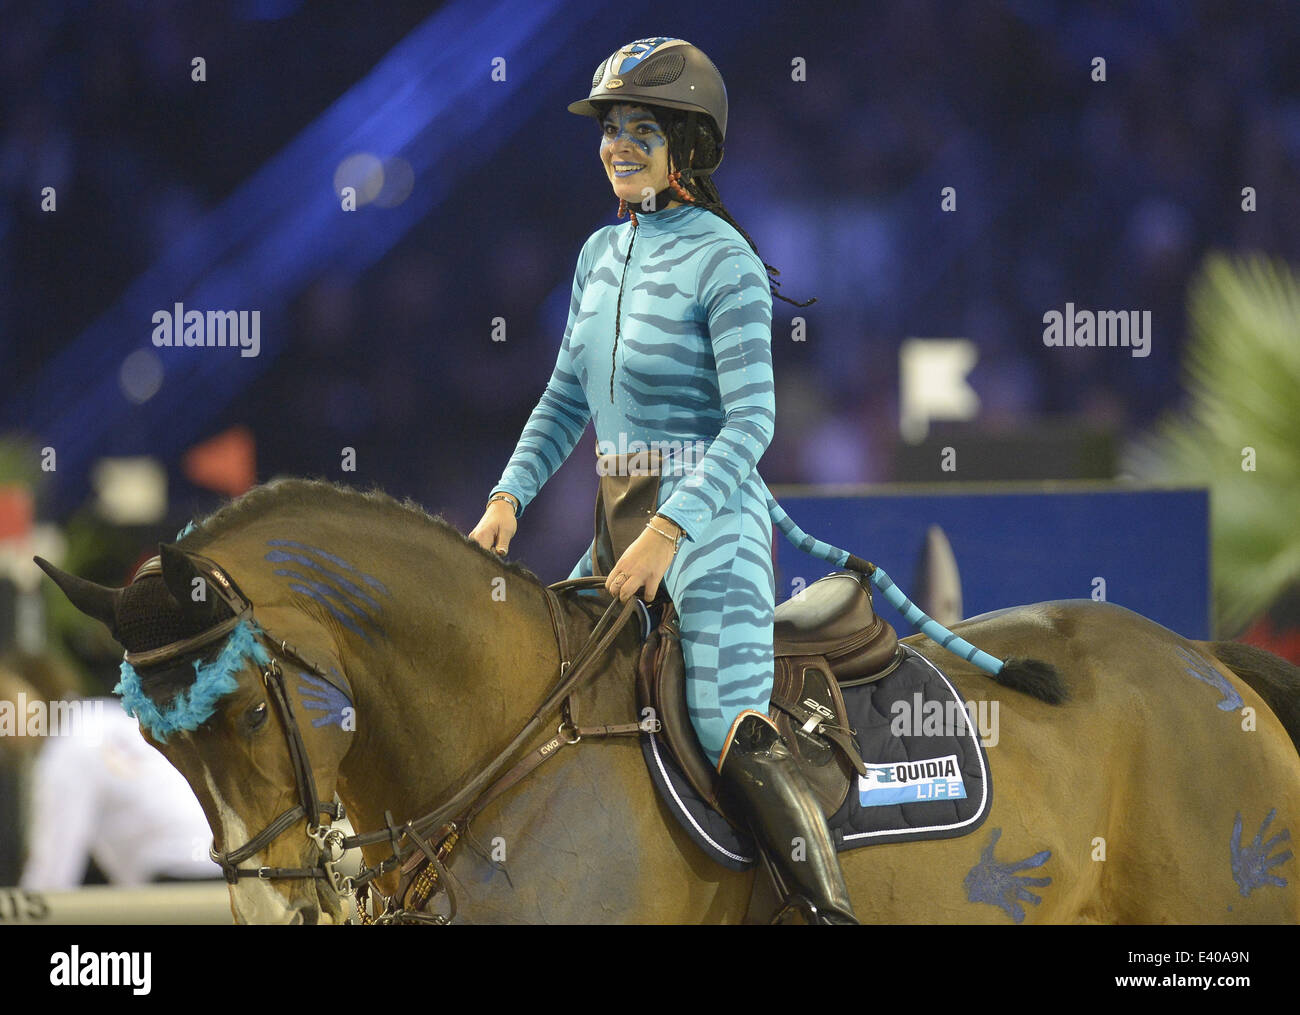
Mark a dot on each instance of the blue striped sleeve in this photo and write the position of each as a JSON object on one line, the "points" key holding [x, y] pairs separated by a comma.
{"points": [[734, 292]]}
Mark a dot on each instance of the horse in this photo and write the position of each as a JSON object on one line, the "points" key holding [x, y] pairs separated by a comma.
{"points": [[1162, 788]]}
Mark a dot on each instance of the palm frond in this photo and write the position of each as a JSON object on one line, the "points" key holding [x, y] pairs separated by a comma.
{"points": [[1242, 383]]}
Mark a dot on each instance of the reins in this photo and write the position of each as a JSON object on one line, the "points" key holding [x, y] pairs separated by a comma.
{"points": [[450, 818]]}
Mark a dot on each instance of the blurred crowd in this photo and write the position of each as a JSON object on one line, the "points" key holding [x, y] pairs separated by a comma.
{"points": [[847, 122], [1106, 194]]}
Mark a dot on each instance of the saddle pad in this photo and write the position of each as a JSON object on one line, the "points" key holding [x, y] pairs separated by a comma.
{"points": [[931, 782]]}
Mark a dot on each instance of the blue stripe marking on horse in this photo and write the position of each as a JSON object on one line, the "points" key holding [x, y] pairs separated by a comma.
{"points": [[370, 580], [333, 587], [330, 592], [998, 883], [321, 696], [1251, 864], [338, 614], [1200, 668], [284, 557]]}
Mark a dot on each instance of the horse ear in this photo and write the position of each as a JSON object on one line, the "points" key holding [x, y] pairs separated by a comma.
{"points": [[97, 601], [179, 572]]}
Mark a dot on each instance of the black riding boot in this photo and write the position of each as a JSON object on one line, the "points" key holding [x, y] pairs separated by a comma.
{"points": [[764, 780]]}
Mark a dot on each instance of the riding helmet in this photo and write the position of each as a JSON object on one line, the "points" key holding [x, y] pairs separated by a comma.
{"points": [[660, 72]]}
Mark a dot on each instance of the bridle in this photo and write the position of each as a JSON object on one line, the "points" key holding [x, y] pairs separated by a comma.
{"points": [[328, 840], [452, 817]]}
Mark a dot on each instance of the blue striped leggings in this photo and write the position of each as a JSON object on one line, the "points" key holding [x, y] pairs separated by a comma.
{"points": [[724, 591]]}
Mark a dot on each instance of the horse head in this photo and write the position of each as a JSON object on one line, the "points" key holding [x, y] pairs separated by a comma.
{"points": [[214, 692]]}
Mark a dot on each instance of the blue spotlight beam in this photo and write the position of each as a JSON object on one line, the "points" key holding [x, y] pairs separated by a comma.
{"points": [[430, 100]]}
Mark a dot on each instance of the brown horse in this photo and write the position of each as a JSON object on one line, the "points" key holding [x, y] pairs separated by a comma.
{"points": [[1163, 789]]}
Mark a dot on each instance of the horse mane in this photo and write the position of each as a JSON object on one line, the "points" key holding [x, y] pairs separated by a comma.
{"points": [[323, 495]]}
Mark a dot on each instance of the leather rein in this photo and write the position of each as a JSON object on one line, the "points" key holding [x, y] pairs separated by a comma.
{"points": [[452, 817]]}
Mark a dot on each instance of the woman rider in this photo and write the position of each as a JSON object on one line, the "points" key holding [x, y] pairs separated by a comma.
{"points": [[668, 346]]}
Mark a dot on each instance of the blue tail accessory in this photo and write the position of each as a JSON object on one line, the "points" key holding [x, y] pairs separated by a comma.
{"points": [[931, 628], [801, 540], [912, 613]]}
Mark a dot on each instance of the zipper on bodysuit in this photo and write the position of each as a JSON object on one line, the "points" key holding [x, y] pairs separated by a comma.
{"points": [[618, 313]]}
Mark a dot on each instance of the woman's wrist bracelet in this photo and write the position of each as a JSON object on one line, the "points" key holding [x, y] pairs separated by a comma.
{"points": [[675, 540], [508, 498]]}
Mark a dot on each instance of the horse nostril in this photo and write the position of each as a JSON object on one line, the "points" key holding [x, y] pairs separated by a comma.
{"points": [[307, 914]]}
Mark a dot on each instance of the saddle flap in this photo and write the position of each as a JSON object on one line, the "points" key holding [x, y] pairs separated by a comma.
{"points": [[661, 685], [807, 706]]}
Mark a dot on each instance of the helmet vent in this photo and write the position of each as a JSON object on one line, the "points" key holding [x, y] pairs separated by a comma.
{"points": [[660, 70], [600, 73]]}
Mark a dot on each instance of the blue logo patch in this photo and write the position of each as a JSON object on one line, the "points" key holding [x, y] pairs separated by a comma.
{"points": [[634, 52], [909, 782]]}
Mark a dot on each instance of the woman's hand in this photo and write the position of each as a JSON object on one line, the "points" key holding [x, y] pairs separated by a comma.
{"points": [[643, 564], [496, 528]]}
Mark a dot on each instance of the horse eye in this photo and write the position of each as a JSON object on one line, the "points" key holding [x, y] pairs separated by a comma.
{"points": [[257, 716]]}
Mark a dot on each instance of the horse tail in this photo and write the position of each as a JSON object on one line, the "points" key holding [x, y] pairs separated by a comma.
{"points": [[1030, 676], [1270, 676]]}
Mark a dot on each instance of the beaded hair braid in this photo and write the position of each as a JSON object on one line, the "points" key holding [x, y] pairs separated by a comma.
{"points": [[701, 190]]}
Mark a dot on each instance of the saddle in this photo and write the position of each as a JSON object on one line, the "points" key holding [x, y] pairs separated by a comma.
{"points": [[826, 636]]}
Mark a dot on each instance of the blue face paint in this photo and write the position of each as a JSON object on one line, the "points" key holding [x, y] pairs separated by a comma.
{"points": [[998, 883], [321, 696], [1199, 668], [1251, 864], [331, 581], [637, 125]]}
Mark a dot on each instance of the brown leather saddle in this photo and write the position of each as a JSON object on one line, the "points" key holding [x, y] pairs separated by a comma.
{"points": [[826, 636]]}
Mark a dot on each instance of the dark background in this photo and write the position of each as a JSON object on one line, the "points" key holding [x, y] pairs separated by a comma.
{"points": [[376, 325]]}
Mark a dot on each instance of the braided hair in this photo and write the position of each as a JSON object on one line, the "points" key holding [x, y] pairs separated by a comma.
{"points": [[707, 151]]}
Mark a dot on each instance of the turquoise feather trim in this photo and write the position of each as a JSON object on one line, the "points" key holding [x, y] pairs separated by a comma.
{"points": [[212, 682]]}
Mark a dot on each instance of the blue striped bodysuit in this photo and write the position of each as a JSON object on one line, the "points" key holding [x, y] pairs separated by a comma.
{"points": [[693, 371]]}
